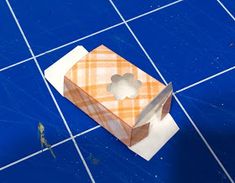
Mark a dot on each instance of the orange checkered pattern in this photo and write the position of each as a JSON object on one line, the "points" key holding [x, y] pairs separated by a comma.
{"points": [[93, 73], [97, 112]]}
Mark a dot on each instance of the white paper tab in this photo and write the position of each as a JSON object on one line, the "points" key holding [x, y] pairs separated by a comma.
{"points": [[160, 131], [56, 72]]}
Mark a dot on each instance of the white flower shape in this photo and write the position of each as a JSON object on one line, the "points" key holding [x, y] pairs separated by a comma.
{"points": [[124, 86]]}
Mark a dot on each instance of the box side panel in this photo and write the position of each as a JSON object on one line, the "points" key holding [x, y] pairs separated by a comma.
{"points": [[97, 112], [166, 107], [139, 133]]}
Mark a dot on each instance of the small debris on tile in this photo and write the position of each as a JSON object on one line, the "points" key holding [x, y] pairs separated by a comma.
{"points": [[232, 44], [43, 140]]}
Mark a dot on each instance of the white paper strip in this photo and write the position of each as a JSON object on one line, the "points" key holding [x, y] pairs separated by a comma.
{"points": [[159, 133], [56, 72]]}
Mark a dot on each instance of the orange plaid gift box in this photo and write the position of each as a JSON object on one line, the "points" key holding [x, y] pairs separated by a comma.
{"points": [[116, 94]]}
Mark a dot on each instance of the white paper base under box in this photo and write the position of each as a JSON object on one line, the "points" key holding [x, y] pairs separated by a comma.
{"points": [[160, 131], [56, 72]]}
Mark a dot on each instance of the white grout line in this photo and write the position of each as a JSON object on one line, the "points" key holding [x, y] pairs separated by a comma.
{"points": [[62, 46], [229, 13], [86, 131], [92, 34], [155, 10], [32, 155], [49, 90], [206, 79], [181, 106], [80, 39], [45, 149], [132, 33], [17, 63], [204, 140], [108, 28]]}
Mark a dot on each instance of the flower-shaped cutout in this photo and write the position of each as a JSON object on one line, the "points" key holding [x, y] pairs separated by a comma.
{"points": [[125, 86]]}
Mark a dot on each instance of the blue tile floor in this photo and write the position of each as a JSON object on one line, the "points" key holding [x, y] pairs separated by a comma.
{"points": [[189, 42], [67, 167], [13, 48]]}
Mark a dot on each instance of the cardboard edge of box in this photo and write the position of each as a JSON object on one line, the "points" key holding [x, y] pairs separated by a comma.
{"points": [[159, 132]]}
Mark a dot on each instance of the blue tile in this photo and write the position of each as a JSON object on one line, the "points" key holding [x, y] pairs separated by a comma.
{"points": [[211, 105], [117, 39], [48, 24], [132, 8], [66, 167], [24, 102], [189, 41], [12, 46], [183, 159], [230, 5]]}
